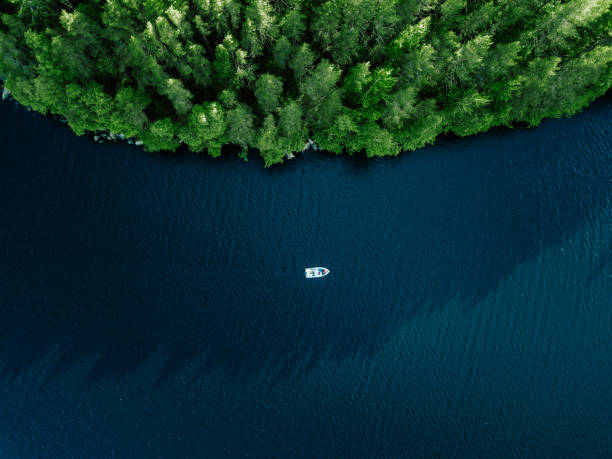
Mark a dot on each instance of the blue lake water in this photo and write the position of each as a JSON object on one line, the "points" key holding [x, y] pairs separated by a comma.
{"points": [[156, 306]]}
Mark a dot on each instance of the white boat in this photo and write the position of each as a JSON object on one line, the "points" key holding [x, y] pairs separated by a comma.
{"points": [[316, 272]]}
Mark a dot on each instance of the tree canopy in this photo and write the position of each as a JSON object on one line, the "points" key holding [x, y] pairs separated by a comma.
{"points": [[373, 76]]}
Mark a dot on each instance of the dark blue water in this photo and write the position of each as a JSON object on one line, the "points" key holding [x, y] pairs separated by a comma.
{"points": [[155, 306]]}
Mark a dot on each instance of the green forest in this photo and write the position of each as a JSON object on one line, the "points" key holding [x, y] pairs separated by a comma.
{"points": [[355, 76]]}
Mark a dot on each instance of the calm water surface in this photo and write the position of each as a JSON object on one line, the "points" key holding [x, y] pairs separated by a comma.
{"points": [[156, 307]]}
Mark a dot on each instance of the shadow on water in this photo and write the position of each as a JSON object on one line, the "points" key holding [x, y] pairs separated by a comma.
{"points": [[111, 253]]}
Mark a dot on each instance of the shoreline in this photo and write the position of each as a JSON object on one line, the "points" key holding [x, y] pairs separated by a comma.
{"points": [[106, 136], [102, 136]]}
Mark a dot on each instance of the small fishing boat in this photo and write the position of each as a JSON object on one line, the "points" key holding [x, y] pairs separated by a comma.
{"points": [[316, 272]]}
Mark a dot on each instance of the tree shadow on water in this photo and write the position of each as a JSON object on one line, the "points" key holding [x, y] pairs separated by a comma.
{"points": [[110, 253]]}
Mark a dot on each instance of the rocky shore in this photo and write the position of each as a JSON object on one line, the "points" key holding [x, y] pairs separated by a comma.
{"points": [[104, 136]]}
